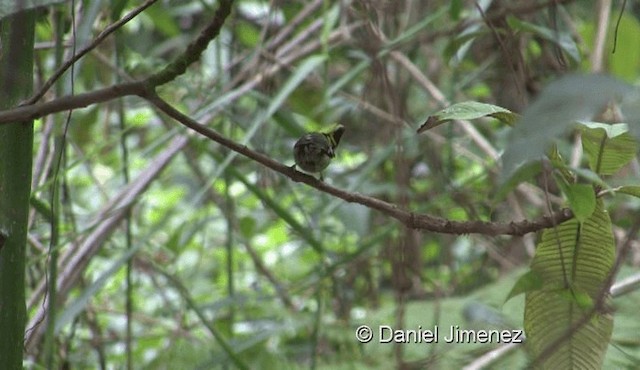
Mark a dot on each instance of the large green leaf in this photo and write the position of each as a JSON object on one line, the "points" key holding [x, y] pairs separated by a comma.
{"points": [[573, 260], [572, 98], [469, 110], [608, 147]]}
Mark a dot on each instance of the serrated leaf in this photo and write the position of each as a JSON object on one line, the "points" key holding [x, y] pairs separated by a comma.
{"points": [[608, 147], [467, 111], [582, 200], [577, 257], [572, 98]]}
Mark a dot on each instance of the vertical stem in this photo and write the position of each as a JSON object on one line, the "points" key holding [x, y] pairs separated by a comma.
{"points": [[49, 342], [16, 146], [597, 55]]}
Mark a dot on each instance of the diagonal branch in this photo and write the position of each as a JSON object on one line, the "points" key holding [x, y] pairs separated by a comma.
{"points": [[195, 48], [409, 219]]}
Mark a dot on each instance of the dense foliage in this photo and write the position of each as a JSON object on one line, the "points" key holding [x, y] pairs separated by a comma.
{"points": [[166, 247]]}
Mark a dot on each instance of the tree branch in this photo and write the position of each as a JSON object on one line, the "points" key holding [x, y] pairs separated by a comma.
{"points": [[409, 219], [191, 54], [146, 89]]}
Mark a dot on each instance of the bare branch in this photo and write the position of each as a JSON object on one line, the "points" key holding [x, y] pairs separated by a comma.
{"points": [[409, 219]]}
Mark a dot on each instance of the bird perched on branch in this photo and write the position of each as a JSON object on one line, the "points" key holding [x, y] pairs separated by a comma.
{"points": [[313, 151]]}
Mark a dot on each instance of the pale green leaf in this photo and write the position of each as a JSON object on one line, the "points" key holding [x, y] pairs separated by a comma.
{"points": [[608, 147]]}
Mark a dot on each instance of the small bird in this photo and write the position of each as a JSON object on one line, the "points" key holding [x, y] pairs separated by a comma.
{"points": [[313, 151]]}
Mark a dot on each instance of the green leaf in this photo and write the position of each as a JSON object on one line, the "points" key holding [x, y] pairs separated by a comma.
{"points": [[611, 130], [573, 259], [467, 111], [558, 163], [583, 300], [582, 200], [528, 282], [455, 8], [608, 147], [563, 102], [629, 190]]}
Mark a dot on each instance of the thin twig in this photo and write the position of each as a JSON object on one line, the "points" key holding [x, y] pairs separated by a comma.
{"points": [[615, 32], [106, 32]]}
